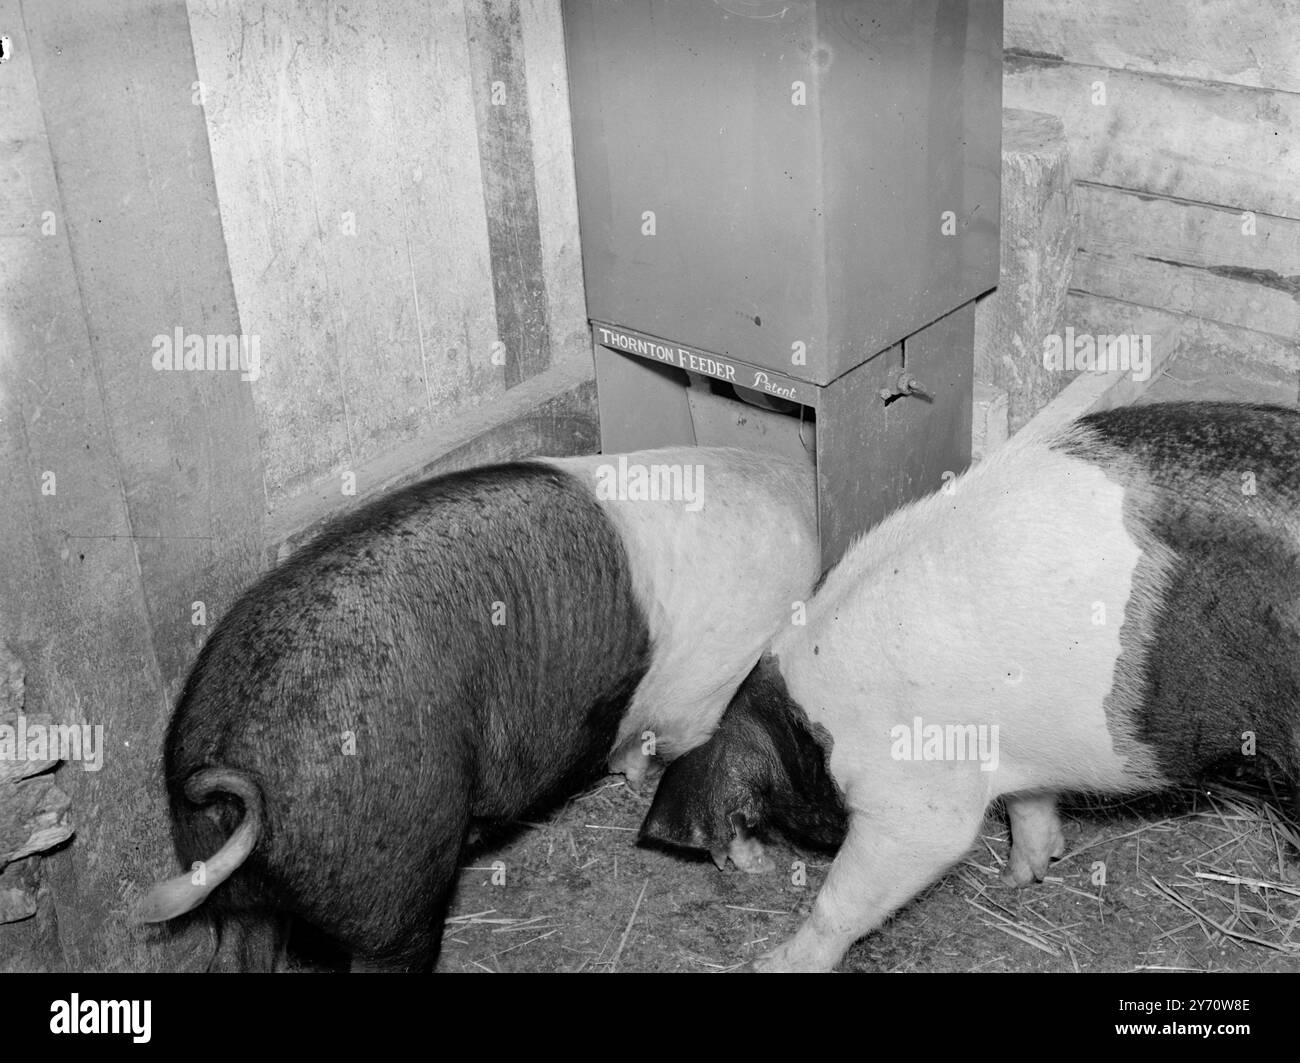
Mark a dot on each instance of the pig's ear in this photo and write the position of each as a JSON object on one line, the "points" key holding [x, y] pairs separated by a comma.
{"points": [[663, 823], [719, 854], [683, 811], [677, 815]]}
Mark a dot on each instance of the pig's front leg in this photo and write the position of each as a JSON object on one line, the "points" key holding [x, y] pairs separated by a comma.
{"points": [[885, 861], [1036, 838], [629, 760]]}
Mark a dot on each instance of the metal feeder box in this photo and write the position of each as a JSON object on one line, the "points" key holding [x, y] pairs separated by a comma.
{"points": [[787, 210]]}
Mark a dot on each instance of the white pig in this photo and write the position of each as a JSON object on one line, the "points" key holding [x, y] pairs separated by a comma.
{"points": [[1109, 608]]}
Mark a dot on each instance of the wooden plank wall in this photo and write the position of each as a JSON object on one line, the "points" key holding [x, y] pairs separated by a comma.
{"points": [[130, 494], [396, 186], [380, 195], [1183, 121]]}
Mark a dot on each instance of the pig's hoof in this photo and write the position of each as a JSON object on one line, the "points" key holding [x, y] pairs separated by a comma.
{"points": [[1026, 865], [774, 962], [637, 768], [789, 959], [1019, 873], [1036, 838]]}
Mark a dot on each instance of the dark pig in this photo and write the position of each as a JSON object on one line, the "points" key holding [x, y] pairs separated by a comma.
{"points": [[462, 650]]}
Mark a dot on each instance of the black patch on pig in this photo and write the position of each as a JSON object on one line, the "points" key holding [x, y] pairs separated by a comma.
{"points": [[379, 634], [765, 763], [1223, 655]]}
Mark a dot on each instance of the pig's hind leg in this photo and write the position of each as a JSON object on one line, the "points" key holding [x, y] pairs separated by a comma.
{"points": [[415, 943], [638, 768], [1036, 838], [892, 852], [417, 934], [396, 909], [248, 941]]}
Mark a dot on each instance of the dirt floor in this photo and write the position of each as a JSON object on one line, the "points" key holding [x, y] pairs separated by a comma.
{"points": [[1193, 881]]}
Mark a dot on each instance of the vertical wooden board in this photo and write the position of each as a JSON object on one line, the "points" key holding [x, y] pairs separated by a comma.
{"points": [[642, 404], [505, 142], [71, 602], [1038, 242], [257, 110], [446, 274], [1250, 44], [1220, 144], [557, 204], [252, 106], [322, 115], [134, 176]]}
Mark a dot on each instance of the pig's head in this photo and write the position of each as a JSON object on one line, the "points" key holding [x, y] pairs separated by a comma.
{"points": [[764, 769]]}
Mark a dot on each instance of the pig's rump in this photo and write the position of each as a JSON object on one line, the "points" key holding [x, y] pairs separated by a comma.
{"points": [[1210, 644], [464, 648]]}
